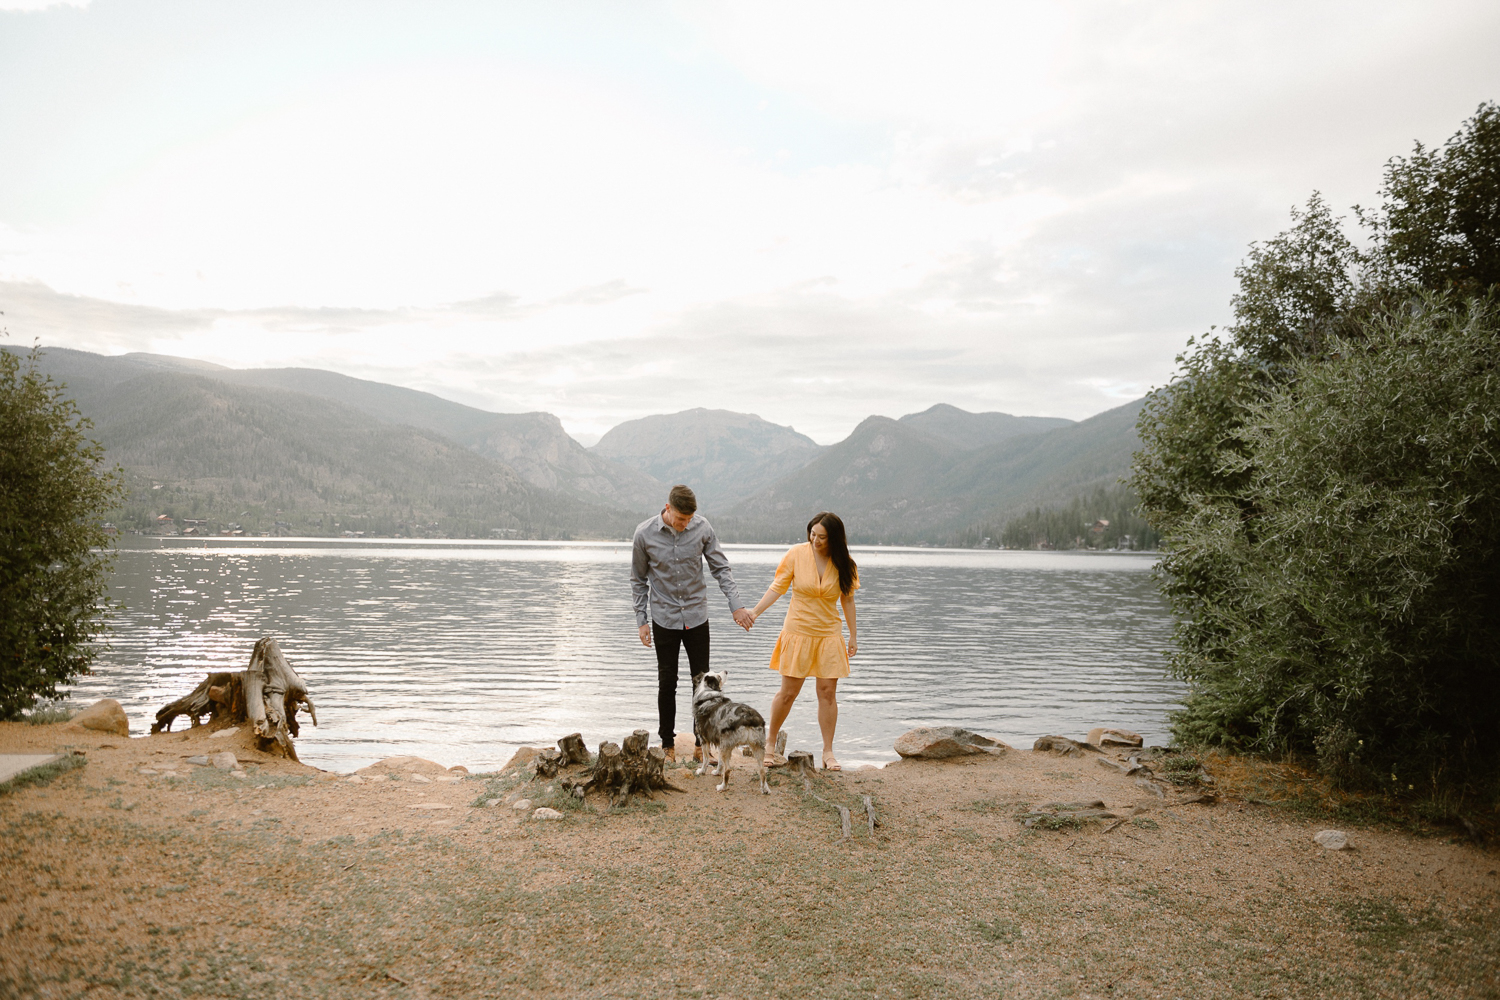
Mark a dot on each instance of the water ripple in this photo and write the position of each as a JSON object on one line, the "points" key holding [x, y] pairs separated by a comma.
{"points": [[461, 651]]}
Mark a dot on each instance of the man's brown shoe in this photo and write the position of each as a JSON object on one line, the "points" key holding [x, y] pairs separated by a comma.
{"points": [[671, 753]]}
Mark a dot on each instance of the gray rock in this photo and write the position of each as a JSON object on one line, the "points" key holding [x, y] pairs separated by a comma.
{"points": [[545, 813], [201, 760], [224, 760], [1104, 737], [1333, 840], [522, 805], [942, 742], [1063, 745]]}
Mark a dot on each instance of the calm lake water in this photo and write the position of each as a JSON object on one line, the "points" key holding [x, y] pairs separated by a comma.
{"points": [[462, 651]]}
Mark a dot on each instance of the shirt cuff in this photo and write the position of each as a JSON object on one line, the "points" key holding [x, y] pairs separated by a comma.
{"points": [[641, 619]]}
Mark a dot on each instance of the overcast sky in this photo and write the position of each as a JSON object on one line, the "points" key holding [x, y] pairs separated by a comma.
{"points": [[810, 211]]}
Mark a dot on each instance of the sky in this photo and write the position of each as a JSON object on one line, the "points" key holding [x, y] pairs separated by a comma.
{"points": [[810, 211]]}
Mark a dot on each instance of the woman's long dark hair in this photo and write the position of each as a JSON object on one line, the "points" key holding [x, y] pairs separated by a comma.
{"points": [[838, 548]]}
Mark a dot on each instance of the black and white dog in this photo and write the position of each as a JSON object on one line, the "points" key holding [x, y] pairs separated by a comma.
{"points": [[724, 725]]}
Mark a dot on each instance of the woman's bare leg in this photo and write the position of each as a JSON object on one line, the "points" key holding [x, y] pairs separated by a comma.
{"points": [[828, 710], [781, 707]]}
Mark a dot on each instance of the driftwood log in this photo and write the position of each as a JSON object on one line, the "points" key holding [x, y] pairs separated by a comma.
{"points": [[267, 694]]}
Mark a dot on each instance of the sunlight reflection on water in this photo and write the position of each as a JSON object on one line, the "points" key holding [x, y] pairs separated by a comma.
{"points": [[462, 651]]}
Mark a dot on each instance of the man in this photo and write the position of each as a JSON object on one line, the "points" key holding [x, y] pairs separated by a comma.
{"points": [[671, 599]]}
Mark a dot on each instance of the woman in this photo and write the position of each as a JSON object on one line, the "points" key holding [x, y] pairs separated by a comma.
{"points": [[819, 573]]}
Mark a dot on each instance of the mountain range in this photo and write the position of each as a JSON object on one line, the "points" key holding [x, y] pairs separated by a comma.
{"points": [[297, 450]]}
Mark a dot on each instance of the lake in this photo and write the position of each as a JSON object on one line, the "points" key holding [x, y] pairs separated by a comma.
{"points": [[460, 651]]}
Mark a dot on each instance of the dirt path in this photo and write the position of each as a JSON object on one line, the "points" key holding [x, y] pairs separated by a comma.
{"points": [[291, 882]]}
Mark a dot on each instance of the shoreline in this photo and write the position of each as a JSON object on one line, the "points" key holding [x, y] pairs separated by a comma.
{"points": [[412, 879]]}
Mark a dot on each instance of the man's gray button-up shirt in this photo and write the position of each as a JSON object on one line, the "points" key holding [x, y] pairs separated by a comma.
{"points": [[666, 573]]}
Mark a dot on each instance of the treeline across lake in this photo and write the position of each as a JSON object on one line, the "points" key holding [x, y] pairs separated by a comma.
{"points": [[1108, 517]]}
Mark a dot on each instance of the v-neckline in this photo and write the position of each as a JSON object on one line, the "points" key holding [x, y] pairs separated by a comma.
{"points": [[824, 570]]}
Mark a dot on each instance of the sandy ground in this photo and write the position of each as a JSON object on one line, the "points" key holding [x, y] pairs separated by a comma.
{"points": [[141, 874]]}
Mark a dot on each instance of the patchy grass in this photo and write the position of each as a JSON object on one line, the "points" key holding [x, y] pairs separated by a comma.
{"points": [[1303, 792], [42, 775], [46, 713]]}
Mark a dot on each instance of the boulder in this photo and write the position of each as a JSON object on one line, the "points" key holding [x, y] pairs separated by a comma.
{"points": [[105, 715], [1333, 840], [224, 761], [942, 742], [1104, 737], [522, 758], [1063, 745]]}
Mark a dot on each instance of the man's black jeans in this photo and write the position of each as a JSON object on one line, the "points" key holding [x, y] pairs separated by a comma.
{"points": [[668, 642]]}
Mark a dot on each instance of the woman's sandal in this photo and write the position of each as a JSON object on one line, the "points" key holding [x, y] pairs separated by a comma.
{"points": [[830, 763], [773, 759]]}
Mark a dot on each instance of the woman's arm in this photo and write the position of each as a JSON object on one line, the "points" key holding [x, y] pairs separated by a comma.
{"points": [[847, 601], [770, 598]]}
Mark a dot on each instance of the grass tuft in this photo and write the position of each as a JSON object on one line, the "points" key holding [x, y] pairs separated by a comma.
{"points": [[42, 775], [46, 713]]}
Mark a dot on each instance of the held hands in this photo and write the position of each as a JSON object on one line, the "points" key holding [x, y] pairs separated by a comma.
{"points": [[646, 634], [744, 619]]}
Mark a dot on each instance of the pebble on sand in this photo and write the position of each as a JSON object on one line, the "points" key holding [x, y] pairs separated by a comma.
{"points": [[1333, 840]]}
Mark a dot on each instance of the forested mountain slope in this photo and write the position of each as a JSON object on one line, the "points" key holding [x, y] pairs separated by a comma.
{"points": [[892, 483], [724, 456]]}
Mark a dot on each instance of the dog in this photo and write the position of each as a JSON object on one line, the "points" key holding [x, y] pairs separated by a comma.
{"points": [[725, 725]]}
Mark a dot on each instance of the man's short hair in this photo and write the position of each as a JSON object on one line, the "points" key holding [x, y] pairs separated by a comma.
{"points": [[681, 498]]}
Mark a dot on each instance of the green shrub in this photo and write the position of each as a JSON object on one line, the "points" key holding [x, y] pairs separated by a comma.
{"points": [[54, 549], [1326, 478]]}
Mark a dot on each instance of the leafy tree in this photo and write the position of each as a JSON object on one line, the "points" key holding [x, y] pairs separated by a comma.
{"points": [[1326, 477], [54, 549]]}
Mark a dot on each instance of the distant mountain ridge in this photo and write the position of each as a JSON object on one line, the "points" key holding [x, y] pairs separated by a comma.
{"points": [[724, 456], [313, 451], [893, 483], [533, 444], [975, 430]]}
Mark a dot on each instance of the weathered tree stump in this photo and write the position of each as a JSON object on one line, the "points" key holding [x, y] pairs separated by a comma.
{"points": [[800, 761], [622, 771], [266, 694], [573, 750], [547, 763]]}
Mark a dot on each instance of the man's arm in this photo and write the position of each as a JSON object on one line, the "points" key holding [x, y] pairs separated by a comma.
{"points": [[718, 565], [640, 584]]}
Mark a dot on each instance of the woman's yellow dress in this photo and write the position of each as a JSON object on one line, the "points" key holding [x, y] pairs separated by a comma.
{"points": [[811, 643]]}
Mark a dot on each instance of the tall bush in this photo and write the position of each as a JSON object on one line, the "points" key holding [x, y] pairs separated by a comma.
{"points": [[54, 549], [1324, 474]]}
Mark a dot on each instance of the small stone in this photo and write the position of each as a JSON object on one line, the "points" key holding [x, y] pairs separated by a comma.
{"points": [[545, 813], [355, 779], [201, 760], [1115, 765], [421, 779], [224, 761], [492, 803], [522, 805], [238, 774], [1333, 840], [105, 715], [221, 734], [941, 742], [146, 770], [429, 805], [1151, 787]]}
